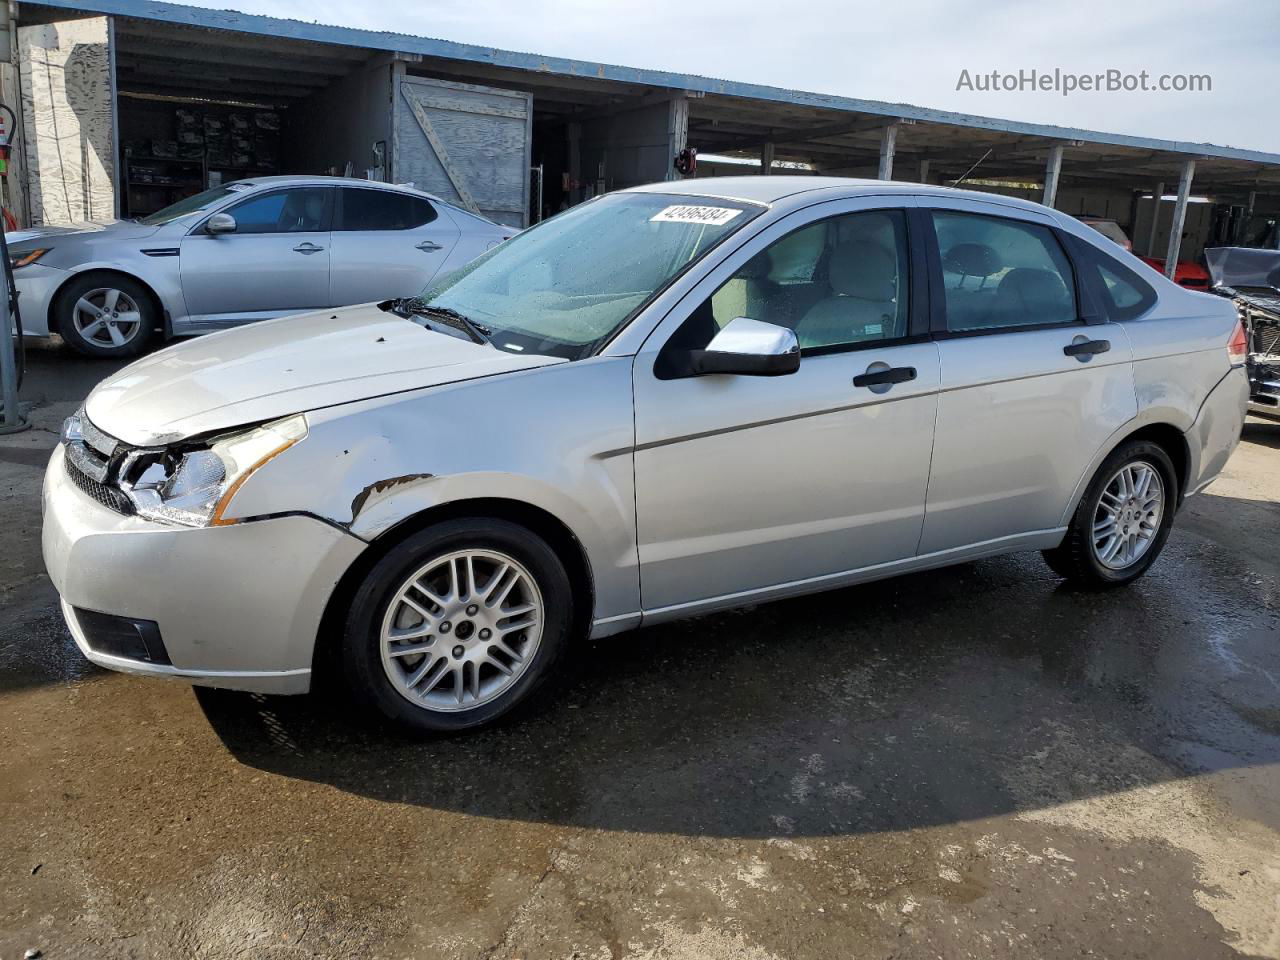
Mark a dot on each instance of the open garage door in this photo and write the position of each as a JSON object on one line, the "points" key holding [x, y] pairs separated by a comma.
{"points": [[465, 143], [68, 120]]}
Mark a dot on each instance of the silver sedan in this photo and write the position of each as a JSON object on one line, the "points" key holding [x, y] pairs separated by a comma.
{"points": [[249, 250], [667, 401]]}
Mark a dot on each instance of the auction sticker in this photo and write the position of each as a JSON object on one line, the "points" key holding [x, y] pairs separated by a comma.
{"points": [[693, 213]]}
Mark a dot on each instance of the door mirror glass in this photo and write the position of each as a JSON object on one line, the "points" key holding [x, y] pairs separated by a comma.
{"points": [[220, 223], [750, 348]]}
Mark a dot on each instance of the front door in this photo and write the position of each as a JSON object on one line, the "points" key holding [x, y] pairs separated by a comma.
{"points": [[748, 483], [1030, 390], [276, 261]]}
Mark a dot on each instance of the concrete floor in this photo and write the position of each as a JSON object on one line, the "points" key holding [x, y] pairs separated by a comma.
{"points": [[977, 762]]}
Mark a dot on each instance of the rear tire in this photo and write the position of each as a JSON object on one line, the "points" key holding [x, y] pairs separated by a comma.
{"points": [[458, 625], [105, 315], [1123, 519]]}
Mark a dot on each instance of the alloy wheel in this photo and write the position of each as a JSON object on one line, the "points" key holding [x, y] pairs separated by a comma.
{"points": [[107, 317], [1128, 515], [461, 630]]}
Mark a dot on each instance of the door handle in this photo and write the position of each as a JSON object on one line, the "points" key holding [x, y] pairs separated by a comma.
{"points": [[307, 248], [886, 376], [429, 246], [1084, 349]]}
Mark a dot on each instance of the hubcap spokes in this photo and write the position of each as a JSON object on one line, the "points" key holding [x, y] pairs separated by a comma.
{"points": [[1128, 515], [107, 317], [461, 630]]}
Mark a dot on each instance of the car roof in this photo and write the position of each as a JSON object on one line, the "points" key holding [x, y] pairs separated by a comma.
{"points": [[770, 190], [320, 180], [317, 179]]}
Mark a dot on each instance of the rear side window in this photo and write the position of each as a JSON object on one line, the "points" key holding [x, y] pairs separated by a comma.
{"points": [[383, 210], [999, 273], [1122, 293]]}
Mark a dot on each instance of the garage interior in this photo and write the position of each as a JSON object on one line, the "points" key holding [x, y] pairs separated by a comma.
{"points": [[203, 97]]}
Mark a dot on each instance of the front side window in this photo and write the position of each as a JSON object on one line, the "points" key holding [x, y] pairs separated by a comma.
{"points": [[364, 209], [1002, 273], [839, 282], [571, 282], [302, 210]]}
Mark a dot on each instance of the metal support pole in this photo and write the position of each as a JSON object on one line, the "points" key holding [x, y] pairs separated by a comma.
{"points": [[1242, 235], [766, 159], [1155, 218], [573, 131], [1051, 171], [924, 171], [888, 140], [1179, 218], [678, 133], [10, 417]]}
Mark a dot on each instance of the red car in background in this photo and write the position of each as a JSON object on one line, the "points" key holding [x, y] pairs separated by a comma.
{"points": [[1188, 273]]}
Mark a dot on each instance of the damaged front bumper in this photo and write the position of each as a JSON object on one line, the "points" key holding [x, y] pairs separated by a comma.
{"points": [[235, 606]]}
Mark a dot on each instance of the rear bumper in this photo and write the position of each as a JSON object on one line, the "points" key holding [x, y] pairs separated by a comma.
{"points": [[1216, 432], [236, 606]]}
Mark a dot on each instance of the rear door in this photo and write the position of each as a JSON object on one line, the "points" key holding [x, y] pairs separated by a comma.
{"points": [[276, 261], [386, 244], [1033, 381]]}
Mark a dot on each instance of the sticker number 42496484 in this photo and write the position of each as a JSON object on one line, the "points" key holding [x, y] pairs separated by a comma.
{"points": [[695, 213]]}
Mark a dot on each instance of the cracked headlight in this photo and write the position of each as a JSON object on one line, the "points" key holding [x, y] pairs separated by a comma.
{"points": [[198, 488]]}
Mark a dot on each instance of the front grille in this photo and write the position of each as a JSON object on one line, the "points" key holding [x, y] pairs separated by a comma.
{"points": [[109, 497], [1266, 339]]}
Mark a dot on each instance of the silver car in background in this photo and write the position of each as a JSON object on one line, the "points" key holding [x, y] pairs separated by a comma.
{"points": [[666, 401], [249, 250]]}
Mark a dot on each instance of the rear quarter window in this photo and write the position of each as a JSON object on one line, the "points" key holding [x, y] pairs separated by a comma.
{"points": [[1120, 292]]}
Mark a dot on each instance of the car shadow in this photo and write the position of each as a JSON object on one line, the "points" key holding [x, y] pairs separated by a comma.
{"points": [[934, 698], [1262, 431]]}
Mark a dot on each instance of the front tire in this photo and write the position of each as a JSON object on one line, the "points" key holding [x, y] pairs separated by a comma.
{"points": [[1123, 519], [458, 625], [105, 315]]}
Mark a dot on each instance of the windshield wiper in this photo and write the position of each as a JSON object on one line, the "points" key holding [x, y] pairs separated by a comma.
{"points": [[447, 316]]}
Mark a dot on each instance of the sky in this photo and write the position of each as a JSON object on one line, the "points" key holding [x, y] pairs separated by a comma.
{"points": [[902, 51]]}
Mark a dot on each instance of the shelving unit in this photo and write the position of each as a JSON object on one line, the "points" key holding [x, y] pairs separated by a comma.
{"points": [[176, 148]]}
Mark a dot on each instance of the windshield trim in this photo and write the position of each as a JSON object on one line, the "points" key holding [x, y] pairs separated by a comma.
{"points": [[690, 198]]}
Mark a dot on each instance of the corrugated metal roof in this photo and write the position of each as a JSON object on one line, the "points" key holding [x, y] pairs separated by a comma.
{"points": [[450, 50]]}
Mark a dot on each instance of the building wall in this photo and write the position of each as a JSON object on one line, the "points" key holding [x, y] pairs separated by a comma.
{"points": [[68, 141], [630, 148], [339, 124]]}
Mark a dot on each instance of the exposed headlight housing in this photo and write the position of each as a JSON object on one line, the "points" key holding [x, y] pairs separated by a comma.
{"points": [[196, 487], [23, 258]]}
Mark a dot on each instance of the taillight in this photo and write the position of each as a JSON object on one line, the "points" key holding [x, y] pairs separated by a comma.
{"points": [[1238, 346]]}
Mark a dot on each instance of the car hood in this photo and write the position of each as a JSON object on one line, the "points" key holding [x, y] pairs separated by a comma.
{"points": [[281, 367], [118, 229]]}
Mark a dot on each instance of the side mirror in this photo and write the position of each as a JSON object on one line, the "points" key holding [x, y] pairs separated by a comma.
{"points": [[220, 223], [750, 348]]}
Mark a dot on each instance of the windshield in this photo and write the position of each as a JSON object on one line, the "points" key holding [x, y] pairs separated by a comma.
{"points": [[194, 204], [571, 282]]}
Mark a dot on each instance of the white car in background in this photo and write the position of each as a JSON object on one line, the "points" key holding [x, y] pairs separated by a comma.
{"points": [[249, 250]]}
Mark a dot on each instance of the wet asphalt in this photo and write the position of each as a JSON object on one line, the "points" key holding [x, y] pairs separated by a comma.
{"points": [[973, 762]]}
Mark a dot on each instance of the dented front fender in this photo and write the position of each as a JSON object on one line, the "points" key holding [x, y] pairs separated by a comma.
{"points": [[559, 438]]}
